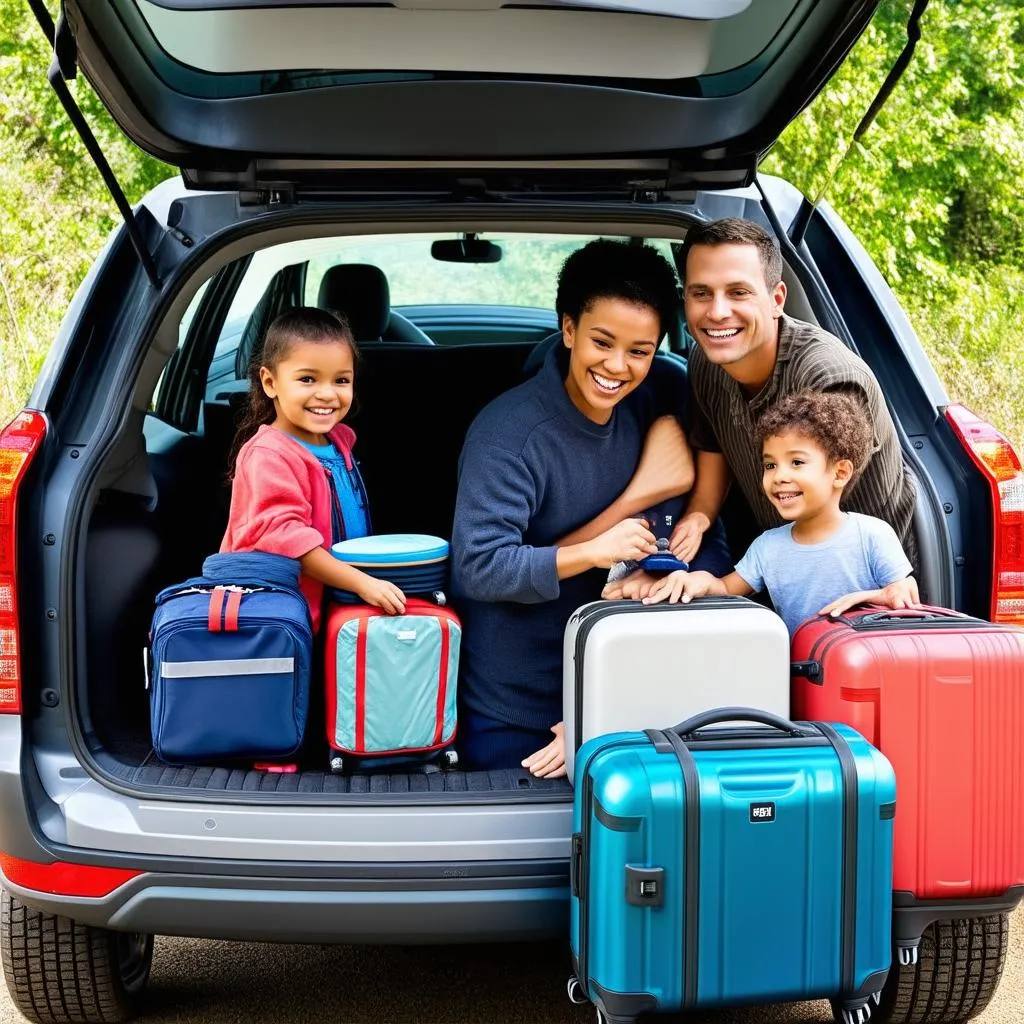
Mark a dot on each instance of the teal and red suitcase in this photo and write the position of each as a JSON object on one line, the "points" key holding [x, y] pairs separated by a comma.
{"points": [[731, 866], [391, 685]]}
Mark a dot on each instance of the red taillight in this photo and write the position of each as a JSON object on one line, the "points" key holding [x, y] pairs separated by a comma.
{"points": [[995, 457], [64, 879], [19, 441]]}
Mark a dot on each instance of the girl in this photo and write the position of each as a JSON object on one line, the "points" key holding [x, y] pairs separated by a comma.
{"points": [[296, 488]]}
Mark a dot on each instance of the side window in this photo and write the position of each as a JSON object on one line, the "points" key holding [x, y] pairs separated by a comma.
{"points": [[183, 329]]}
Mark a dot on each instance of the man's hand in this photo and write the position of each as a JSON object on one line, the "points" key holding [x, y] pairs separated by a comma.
{"points": [[381, 594], [549, 762], [901, 594], [627, 541], [687, 535], [682, 587], [633, 587]]}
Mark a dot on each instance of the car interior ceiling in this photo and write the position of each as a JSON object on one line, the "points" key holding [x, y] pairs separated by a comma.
{"points": [[137, 546]]}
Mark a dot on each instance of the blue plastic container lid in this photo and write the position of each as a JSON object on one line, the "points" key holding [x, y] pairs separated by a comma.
{"points": [[391, 549]]}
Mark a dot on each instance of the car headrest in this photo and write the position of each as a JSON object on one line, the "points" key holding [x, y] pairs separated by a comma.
{"points": [[360, 291]]}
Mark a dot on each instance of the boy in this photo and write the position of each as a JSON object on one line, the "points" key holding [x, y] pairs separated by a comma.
{"points": [[813, 446]]}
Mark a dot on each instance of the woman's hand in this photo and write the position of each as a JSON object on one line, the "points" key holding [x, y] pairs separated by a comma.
{"points": [[549, 762], [628, 541]]}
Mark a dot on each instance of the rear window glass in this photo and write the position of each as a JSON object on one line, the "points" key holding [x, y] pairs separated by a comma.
{"points": [[525, 276]]}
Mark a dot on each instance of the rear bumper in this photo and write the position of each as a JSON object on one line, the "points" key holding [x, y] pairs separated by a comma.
{"points": [[190, 889], [377, 911]]}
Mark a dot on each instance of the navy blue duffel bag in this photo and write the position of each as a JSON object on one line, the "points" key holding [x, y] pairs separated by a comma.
{"points": [[230, 659]]}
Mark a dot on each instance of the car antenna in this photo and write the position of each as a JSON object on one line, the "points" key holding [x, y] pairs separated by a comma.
{"points": [[807, 208], [62, 69]]}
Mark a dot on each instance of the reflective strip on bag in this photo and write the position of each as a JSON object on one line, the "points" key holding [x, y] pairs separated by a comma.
{"points": [[238, 667]]}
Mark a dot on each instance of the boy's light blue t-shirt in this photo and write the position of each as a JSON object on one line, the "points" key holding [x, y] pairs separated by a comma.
{"points": [[863, 554]]}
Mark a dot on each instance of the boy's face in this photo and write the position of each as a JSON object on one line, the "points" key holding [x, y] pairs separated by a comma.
{"points": [[799, 479], [610, 353]]}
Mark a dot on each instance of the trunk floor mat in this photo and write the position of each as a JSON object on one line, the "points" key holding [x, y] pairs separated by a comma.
{"points": [[150, 772]]}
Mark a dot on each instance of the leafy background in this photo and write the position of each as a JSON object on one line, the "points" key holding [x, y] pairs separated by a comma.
{"points": [[934, 191]]}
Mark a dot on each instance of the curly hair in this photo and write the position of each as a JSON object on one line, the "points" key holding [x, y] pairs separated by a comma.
{"points": [[307, 324], [610, 269], [834, 420]]}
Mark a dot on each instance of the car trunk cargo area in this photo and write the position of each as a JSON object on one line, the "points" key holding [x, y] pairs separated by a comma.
{"points": [[405, 392]]}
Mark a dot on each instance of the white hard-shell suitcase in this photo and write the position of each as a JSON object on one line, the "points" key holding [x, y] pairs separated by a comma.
{"points": [[630, 666]]}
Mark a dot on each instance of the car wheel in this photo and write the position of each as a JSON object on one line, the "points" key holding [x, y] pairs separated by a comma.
{"points": [[956, 975], [59, 971]]}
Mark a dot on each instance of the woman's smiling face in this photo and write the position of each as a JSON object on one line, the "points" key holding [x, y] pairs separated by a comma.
{"points": [[610, 353]]}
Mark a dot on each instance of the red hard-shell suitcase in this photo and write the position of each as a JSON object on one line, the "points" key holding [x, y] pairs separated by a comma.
{"points": [[941, 694]]}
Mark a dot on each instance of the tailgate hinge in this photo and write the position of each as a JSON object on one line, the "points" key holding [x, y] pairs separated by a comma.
{"points": [[63, 68]]}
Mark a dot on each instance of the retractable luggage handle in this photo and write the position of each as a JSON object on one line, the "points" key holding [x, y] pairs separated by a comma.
{"points": [[687, 729]]}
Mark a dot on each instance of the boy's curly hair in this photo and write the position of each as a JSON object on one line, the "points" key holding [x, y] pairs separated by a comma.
{"points": [[834, 420]]}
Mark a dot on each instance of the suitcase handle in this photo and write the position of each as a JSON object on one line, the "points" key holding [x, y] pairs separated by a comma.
{"points": [[921, 612], [706, 718]]}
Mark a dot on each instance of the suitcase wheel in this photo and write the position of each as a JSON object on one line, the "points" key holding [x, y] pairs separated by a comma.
{"points": [[575, 991], [337, 764], [907, 955], [853, 1011], [449, 760]]}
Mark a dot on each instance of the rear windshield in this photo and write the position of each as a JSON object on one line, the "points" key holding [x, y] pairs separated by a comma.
{"points": [[525, 276]]}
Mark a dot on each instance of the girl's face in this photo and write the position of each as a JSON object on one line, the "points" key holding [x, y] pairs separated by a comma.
{"points": [[311, 388]]}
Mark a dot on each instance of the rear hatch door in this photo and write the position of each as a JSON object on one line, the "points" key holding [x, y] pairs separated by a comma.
{"points": [[242, 94]]}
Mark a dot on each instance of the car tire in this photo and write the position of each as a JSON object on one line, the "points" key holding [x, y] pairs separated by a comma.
{"points": [[956, 975], [59, 971]]}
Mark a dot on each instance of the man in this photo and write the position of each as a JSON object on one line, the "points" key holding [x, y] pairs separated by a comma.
{"points": [[750, 354]]}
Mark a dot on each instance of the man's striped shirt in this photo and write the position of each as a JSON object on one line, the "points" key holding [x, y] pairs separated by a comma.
{"points": [[808, 357]]}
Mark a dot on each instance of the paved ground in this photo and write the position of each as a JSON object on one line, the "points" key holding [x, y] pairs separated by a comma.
{"points": [[247, 983]]}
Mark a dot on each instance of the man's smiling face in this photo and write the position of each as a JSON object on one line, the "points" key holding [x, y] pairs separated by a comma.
{"points": [[730, 310]]}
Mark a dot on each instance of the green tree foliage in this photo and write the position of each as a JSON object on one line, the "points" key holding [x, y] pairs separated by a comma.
{"points": [[55, 211], [934, 190], [935, 183]]}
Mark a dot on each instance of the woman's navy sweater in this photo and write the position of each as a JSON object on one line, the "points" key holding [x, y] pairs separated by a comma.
{"points": [[533, 468]]}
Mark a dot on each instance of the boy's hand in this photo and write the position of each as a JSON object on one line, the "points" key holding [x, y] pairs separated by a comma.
{"points": [[682, 587], [901, 594], [687, 535], [628, 541], [549, 762], [633, 587], [381, 594]]}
